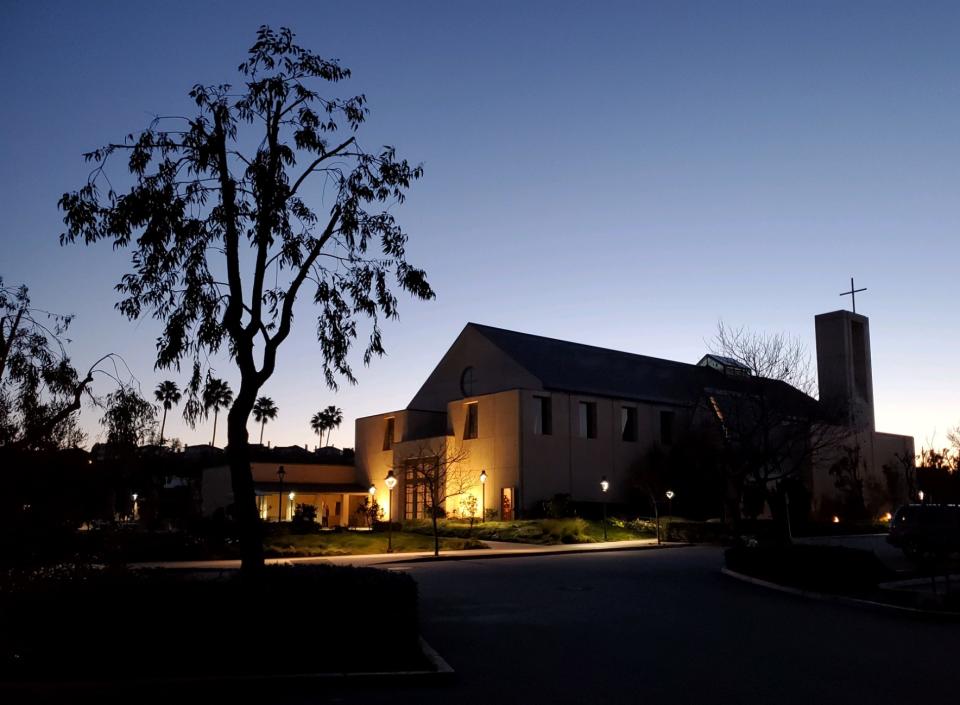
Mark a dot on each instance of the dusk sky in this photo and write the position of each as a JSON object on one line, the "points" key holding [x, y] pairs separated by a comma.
{"points": [[618, 174]]}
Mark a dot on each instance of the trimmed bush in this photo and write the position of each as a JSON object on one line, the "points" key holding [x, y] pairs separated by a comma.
{"points": [[87, 624], [713, 532], [834, 569]]}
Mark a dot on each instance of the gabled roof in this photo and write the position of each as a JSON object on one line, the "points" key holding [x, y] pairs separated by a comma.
{"points": [[573, 367], [723, 361]]}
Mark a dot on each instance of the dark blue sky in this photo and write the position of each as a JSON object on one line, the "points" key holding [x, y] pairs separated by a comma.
{"points": [[621, 174]]}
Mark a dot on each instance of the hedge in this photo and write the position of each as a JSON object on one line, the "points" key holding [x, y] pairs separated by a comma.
{"points": [[83, 623], [817, 568]]}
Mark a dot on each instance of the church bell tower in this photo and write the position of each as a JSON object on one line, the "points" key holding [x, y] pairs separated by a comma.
{"points": [[844, 369]]}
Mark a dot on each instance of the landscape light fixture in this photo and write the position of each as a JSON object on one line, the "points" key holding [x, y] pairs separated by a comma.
{"points": [[292, 495], [670, 496], [390, 482], [604, 486], [920, 495], [483, 495]]}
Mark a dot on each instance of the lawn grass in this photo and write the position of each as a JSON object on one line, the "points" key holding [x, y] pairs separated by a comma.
{"points": [[545, 532], [354, 543]]}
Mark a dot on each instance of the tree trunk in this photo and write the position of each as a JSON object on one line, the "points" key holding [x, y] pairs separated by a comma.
{"points": [[262, 424], [213, 441], [241, 478], [163, 425]]}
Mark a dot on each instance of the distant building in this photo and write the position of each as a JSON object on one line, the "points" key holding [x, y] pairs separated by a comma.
{"points": [[324, 478], [541, 417]]}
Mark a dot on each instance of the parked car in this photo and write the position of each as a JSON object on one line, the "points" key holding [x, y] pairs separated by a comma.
{"points": [[926, 529]]}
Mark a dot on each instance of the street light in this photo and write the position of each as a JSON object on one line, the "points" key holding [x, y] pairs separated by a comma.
{"points": [[920, 495], [135, 496], [670, 503], [291, 496], [604, 486], [390, 482], [281, 473], [483, 495]]}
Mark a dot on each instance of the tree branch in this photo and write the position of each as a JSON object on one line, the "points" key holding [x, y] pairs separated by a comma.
{"points": [[286, 314], [326, 155]]}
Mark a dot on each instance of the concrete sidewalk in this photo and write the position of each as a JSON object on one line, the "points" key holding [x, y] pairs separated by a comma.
{"points": [[497, 549]]}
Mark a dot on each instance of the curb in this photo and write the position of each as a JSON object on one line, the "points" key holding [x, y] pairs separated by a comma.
{"points": [[843, 600], [442, 673], [395, 558], [483, 555]]}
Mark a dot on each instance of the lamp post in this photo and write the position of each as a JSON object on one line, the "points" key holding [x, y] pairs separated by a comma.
{"points": [[920, 496], [390, 482], [483, 495], [669, 494], [135, 496], [371, 516], [291, 496], [604, 486], [281, 473]]}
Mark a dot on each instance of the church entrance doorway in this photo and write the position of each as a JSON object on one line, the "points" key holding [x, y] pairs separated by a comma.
{"points": [[506, 504]]}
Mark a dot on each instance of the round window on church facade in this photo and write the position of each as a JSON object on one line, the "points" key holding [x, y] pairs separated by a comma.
{"points": [[467, 381]]}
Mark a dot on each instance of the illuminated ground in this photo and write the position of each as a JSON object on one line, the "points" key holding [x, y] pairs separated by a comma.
{"points": [[655, 627]]}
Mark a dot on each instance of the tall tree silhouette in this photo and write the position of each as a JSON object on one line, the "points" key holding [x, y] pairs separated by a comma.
{"points": [[264, 410], [326, 420], [168, 394], [318, 422], [40, 389], [334, 417], [212, 221], [216, 395]]}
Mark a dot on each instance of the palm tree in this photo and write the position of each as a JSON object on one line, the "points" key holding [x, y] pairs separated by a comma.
{"points": [[326, 420], [318, 422], [264, 410], [216, 395], [334, 419], [168, 394]]}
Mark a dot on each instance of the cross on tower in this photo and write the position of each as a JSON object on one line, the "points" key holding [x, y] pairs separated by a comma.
{"points": [[853, 294]]}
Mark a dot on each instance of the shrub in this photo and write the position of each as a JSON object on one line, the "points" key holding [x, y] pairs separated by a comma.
{"points": [[102, 608], [696, 531], [566, 530], [558, 507], [304, 518]]}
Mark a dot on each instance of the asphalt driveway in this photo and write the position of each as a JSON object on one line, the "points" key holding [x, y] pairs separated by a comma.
{"points": [[653, 627]]}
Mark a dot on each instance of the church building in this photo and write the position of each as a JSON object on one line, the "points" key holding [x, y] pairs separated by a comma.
{"points": [[529, 418]]}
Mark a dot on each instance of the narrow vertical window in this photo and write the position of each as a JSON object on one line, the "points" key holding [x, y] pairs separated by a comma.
{"points": [[666, 427], [542, 416], [588, 419], [472, 422], [628, 423], [388, 434]]}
